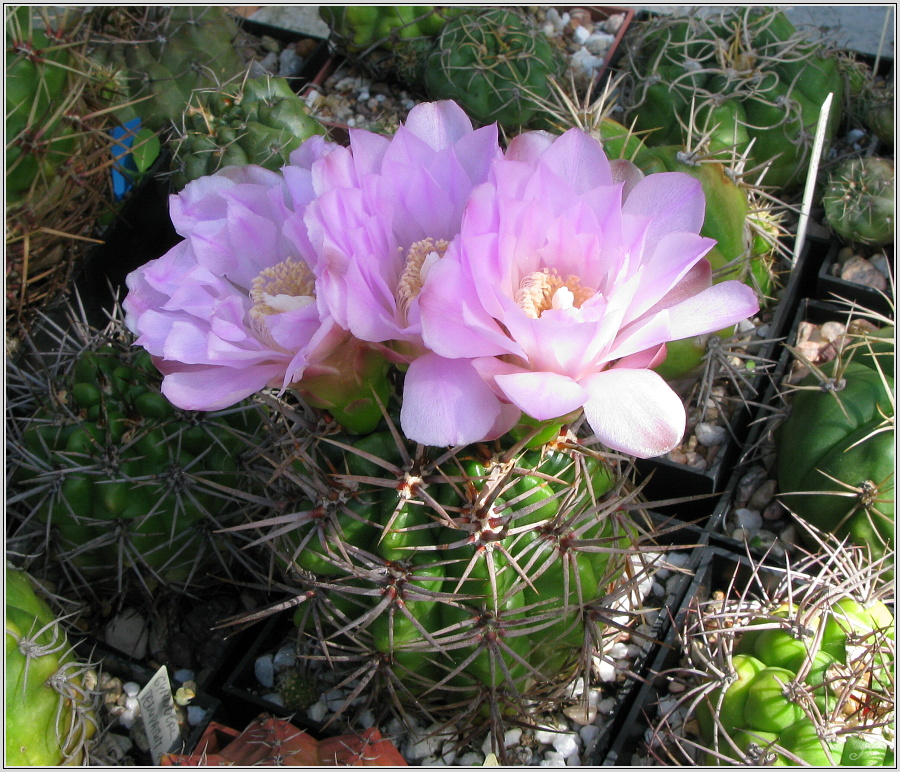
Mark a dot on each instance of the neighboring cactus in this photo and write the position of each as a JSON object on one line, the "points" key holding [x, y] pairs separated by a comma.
{"points": [[466, 584], [260, 121], [360, 28], [58, 154], [123, 492], [157, 56], [744, 76], [804, 677], [495, 64], [49, 708], [836, 446], [859, 200]]}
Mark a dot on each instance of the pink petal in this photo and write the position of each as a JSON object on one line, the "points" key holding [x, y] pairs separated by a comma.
{"points": [[634, 412], [542, 395], [712, 310], [445, 402], [215, 388]]}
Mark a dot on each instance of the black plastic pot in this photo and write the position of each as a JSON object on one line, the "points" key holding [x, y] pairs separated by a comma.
{"points": [[717, 569], [832, 288], [667, 479]]}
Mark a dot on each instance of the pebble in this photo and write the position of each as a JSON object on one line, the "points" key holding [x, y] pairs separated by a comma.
{"points": [[566, 744], [749, 483], [710, 435], [748, 519], [553, 759], [275, 698], [471, 759], [131, 688], [285, 657], [860, 271], [290, 63], [589, 734], [739, 534], [599, 43], [264, 669], [775, 511], [763, 495], [606, 671], [128, 632], [581, 35], [544, 736], [183, 676], [195, 714], [317, 712], [881, 263], [424, 743], [581, 714]]}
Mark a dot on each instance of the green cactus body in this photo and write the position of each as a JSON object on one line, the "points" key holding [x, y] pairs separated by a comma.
{"points": [[473, 581], [790, 703], [744, 77], [859, 200], [159, 55], [493, 64], [130, 490], [357, 28], [836, 453], [49, 714], [261, 121]]}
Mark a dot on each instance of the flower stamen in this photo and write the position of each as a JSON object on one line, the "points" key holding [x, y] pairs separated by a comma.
{"points": [[543, 290], [287, 286], [419, 259]]}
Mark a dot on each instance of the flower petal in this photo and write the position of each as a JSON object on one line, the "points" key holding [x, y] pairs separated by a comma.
{"points": [[445, 402], [634, 411], [542, 395]]}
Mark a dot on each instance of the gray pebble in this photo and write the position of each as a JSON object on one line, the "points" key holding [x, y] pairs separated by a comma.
{"points": [[710, 435], [264, 669], [748, 519], [128, 632]]}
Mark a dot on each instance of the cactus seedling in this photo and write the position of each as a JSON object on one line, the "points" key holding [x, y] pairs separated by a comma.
{"points": [[859, 200]]}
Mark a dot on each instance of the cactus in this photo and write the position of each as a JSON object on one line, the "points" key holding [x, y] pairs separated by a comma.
{"points": [[802, 677], [50, 716], [745, 76], [58, 153], [859, 200], [260, 121], [494, 64], [836, 446], [360, 28], [467, 584], [157, 56], [123, 493]]}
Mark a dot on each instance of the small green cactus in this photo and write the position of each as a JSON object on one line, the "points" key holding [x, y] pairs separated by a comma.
{"points": [[801, 677], [260, 121], [359, 28], [836, 447], [859, 200], [50, 716], [495, 64], [126, 493]]}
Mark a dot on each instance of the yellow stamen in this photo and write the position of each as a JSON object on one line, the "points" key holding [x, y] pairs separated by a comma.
{"points": [[421, 256], [283, 287], [545, 289]]}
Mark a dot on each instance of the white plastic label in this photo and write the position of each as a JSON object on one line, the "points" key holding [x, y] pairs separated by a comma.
{"points": [[158, 712]]}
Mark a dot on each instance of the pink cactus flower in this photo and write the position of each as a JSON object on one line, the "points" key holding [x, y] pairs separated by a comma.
{"points": [[567, 278], [232, 308]]}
